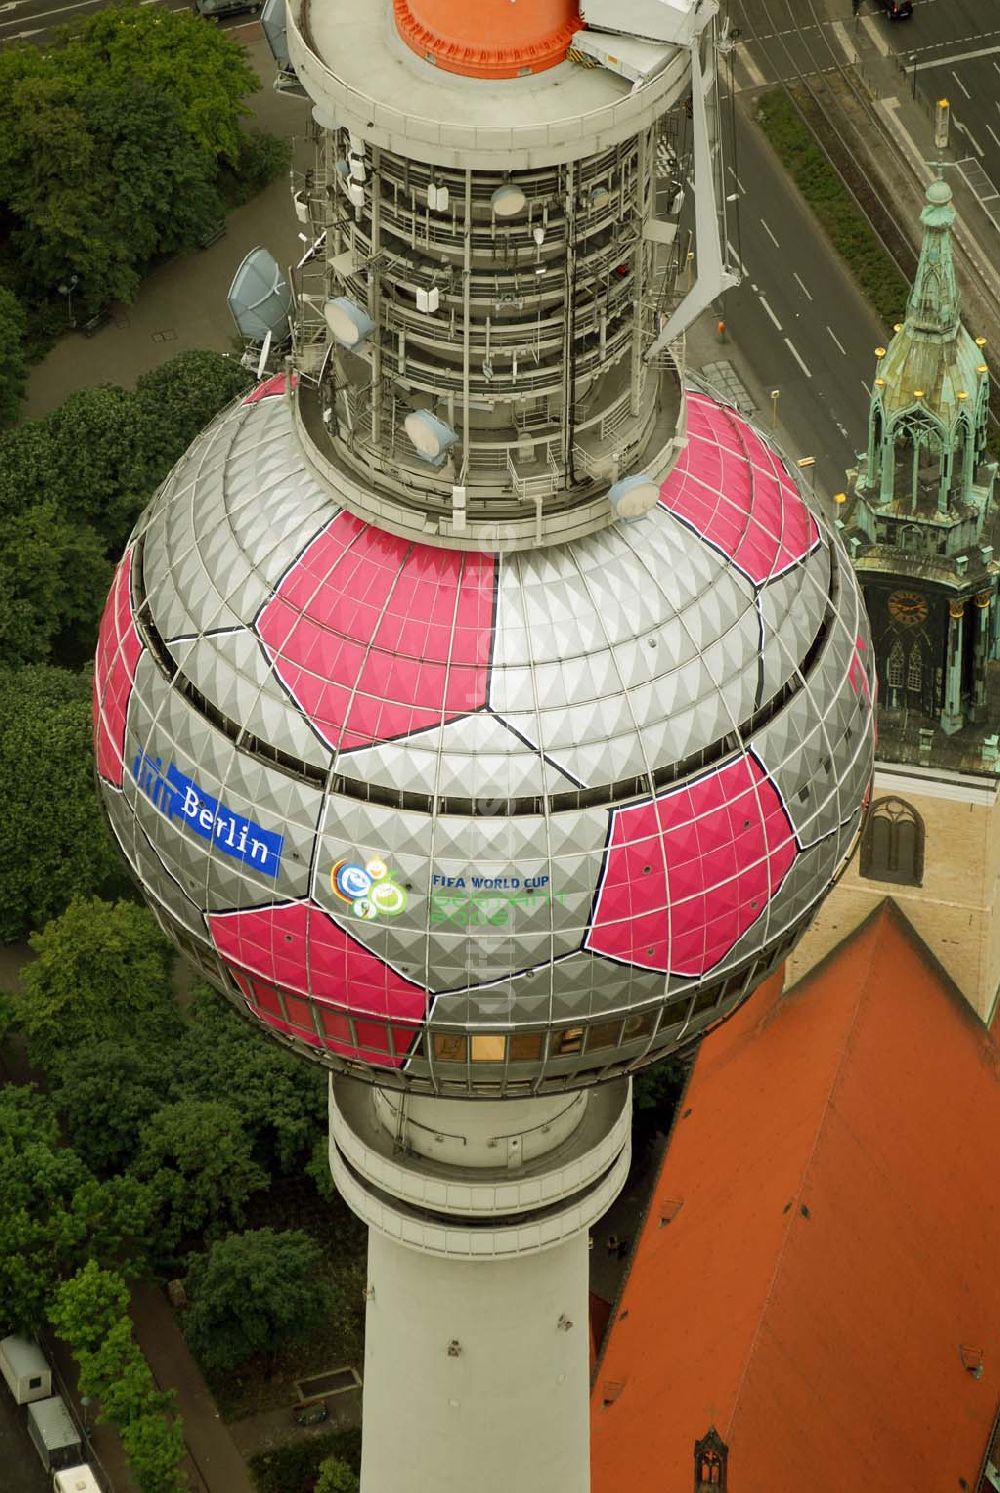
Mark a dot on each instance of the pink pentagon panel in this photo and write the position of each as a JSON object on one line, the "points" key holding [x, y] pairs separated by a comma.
{"points": [[376, 637], [270, 388], [733, 490], [292, 961], [688, 873], [118, 650]]}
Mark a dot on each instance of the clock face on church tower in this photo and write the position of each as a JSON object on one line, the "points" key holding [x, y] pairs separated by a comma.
{"points": [[908, 608]]}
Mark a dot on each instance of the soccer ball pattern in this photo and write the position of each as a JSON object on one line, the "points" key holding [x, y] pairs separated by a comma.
{"points": [[482, 822]]}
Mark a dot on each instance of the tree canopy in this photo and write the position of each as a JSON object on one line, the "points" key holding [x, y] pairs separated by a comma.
{"points": [[195, 1159], [53, 842], [252, 1292], [90, 1312], [102, 971], [13, 367], [111, 142], [55, 1214], [336, 1476], [72, 485]]}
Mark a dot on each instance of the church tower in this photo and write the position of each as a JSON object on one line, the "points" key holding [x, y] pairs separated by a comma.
{"points": [[921, 527]]}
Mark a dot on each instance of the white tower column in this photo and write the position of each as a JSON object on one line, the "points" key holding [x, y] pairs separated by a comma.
{"points": [[476, 1336]]}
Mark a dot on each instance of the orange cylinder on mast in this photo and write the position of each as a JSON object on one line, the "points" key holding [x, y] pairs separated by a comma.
{"points": [[489, 38]]}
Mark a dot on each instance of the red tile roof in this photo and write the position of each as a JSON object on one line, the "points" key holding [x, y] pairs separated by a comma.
{"points": [[836, 1245]]}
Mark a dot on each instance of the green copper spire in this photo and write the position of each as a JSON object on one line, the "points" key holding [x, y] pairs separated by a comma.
{"points": [[933, 305]]}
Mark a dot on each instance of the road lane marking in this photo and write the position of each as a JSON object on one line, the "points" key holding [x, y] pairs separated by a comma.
{"points": [[875, 32], [960, 83], [756, 76], [837, 340], [956, 57], [993, 132], [840, 32], [40, 14], [736, 260], [769, 234], [970, 137], [802, 287], [770, 313], [797, 358]]}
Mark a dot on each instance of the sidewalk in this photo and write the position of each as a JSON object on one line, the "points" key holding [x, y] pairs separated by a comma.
{"points": [[182, 305], [213, 1463]]}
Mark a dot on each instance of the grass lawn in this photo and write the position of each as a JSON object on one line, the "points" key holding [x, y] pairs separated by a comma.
{"points": [[293, 1468]]}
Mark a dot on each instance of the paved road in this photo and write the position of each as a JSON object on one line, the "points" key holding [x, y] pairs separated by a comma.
{"points": [[33, 20], [798, 317]]}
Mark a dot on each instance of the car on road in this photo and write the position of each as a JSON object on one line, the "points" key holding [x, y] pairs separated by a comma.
{"points": [[897, 10], [216, 9]]}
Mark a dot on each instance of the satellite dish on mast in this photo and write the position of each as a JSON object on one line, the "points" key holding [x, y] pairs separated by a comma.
{"points": [[260, 299], [275, 28]]}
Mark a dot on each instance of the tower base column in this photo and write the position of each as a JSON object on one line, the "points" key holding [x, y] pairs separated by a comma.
{"points": [[477, 1344]]}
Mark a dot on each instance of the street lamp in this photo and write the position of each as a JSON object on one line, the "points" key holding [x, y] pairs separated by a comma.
{"points": [[775, 395], [67, 290], [84, 1411]]}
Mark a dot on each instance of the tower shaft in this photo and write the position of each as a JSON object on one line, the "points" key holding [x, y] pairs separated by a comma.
{"points": [[476, 1332]]}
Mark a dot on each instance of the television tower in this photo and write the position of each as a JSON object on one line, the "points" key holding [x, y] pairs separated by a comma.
{"points": [[482, 710]]}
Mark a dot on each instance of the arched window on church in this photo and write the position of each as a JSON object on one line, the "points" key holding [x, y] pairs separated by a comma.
{"points": [[711, 1455], [915, 669], [895, 666], [892, 846]]}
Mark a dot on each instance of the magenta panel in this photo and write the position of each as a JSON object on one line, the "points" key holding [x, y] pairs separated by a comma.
{"points": [[270, 388], [376, 637], [118, 650], [732, 489], [688, 873], [295, 951]]}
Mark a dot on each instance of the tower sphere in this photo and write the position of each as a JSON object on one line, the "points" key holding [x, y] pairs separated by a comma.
{"points": [[472, 820], [483, 711]]}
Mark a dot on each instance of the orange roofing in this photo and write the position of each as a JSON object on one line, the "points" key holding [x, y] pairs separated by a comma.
{"points": [[488, 38], [831, 1249]]}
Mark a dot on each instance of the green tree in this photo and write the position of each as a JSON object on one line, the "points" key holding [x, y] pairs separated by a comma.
{"points": [[178, 399], [106, 1091], [252, 1293], [336, 1476], [280, 1100], [54, 578], [97, 466], [88, 1306], [54, 1213], [47, 787], [102, 972], [154, 1446], [13, 365], [90, 1312], [202, 70], [196, 1160]]}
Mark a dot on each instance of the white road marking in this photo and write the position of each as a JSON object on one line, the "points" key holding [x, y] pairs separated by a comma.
{"points": [[756, 76], [769, 234], [837, 340], [41, 14], [866, 388], [736, 260], [957, 57], [23, 35], [739, 184], [802, 287], [960, 84], [993, 132], [770, 313], [970, 137], [875, 32], [840, 32], [797, 358]]}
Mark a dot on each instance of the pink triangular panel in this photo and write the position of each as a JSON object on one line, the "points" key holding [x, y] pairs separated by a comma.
{"points": [[688, 873], [730, 488], [297, 954], [118, 650], [376, 637]]}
